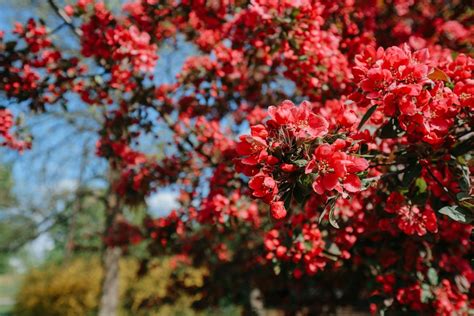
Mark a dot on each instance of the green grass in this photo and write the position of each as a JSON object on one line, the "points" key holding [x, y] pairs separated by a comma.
{"points": [[9, 285], [5, 310]]}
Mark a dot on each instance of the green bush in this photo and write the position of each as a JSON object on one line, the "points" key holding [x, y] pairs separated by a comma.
{"points": [[73, 288]]}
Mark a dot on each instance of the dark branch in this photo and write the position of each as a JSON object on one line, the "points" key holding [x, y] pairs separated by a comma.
{"points": [[67, 19]]}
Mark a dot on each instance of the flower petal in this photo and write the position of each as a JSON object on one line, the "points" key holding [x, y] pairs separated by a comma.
{"points": [[352, 183]]}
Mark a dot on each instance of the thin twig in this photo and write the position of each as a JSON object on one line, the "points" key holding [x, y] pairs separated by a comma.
{"points": [[451, 194], [66, 18], [56, 29]]}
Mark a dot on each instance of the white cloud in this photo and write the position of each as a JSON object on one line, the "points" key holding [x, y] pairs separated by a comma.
{"points": [[66, 185], [41, 246], [37, 251], [162, 203]]}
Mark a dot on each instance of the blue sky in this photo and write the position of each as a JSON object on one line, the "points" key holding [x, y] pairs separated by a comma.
{"points": [[54, 162]]}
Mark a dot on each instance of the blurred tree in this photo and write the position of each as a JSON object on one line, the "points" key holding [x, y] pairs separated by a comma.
{"points": [[169, 287], [74, 132], [7, 198], [237, 70], [15, 227]]}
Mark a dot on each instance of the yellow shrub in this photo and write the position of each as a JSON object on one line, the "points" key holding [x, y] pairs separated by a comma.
{"points": [[60, 290], [73, 289]]}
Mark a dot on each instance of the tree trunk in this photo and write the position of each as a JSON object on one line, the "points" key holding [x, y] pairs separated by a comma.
{"points": [[109, 300], [256, 302]]}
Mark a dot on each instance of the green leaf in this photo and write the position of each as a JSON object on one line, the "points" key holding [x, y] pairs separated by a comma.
{"points": [[301, 162], [274, 49], [457, 214], [389, 130], [367, 182], [432, 276], [334, 249], [421, 185], [364, 148], [331, 203], [98, 79], [295, 13], [308, 245], [277, 269], [294, 44], [462, 283], [438, 74], [332, 217], [302, 58], [464, 183], [299, 195], [463, 196], [64, 106], [367, 115], [287, 199], [426, 294], [412, 172], [463, 147], [467, 203], [305, 181]]}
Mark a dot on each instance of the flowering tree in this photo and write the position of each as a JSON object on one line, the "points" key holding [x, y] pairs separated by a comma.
{"points": [[367, 179]]}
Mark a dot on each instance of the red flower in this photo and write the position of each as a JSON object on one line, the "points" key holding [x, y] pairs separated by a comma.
{"points": [[263, 186], [448, 302], [377, 80], [334, 166], [352, 183], [411, 296], [300, 121], [277, 210], [412, 220], [253, 147]]}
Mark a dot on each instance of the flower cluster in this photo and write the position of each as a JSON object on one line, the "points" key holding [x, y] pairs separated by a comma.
{"points": [[123, 234], [161, 229], [369, 179], [126, 47], [34, 35], [306, 253], [409, 87], [296, 145], [336, 170], [410, 219], [6, 123]]}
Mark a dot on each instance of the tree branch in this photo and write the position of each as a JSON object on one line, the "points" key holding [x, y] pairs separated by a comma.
{"points": [[66, 18]]}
